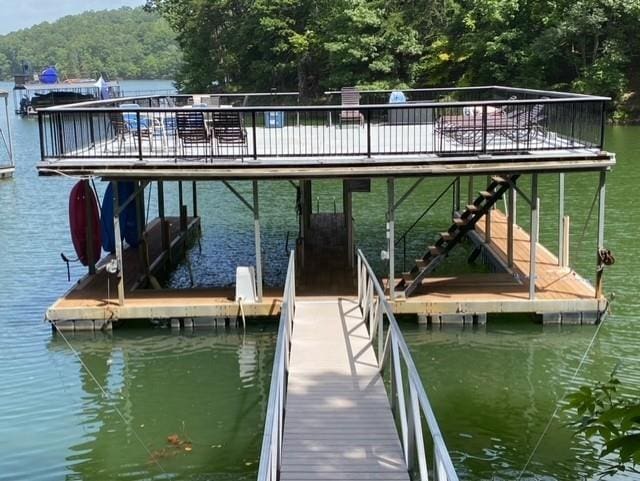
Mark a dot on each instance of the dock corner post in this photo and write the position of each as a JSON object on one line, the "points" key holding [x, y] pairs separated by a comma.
{"points": [[561, 261], [391, 235], [535, 219], [601, 209], [470, 196], [118, 239], [256, 222]]}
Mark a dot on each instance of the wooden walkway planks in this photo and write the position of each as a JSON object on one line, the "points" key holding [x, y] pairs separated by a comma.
{"points": [[553, 281], [338, 421]]}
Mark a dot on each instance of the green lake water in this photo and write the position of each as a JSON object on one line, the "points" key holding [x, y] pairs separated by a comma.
{"points": [[493, 388]]}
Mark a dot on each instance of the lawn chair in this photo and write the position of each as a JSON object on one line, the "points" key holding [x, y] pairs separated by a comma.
{"points": [[349, 96], [131, 121], [120, 129], [524, 123], [229, 131], [192, 129]]}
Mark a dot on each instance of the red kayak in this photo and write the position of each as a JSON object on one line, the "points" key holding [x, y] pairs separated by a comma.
{"points": [[84, 215]]}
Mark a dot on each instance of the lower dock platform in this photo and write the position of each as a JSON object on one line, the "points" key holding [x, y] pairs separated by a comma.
{"points": [[562, 295]]}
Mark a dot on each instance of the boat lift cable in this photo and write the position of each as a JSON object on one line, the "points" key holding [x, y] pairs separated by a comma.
{"points": [[104, 393], [588, 220], [558, 405]]}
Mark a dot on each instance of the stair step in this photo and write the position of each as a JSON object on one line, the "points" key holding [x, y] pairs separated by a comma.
{"points": [[472, 208], [407, 276], [460, 221], [435, 251], [499, 179], [421, 263], [446, 236], [486, 194]]}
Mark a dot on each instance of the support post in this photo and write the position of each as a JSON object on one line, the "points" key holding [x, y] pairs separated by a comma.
{"points": [[470, 190], [566, 243], [348, 220], [457, 195], [391, 235], [561, 262], [194, 195], [118, 238], [256, 224], [535, 219], [510, 223], [601, 205]]}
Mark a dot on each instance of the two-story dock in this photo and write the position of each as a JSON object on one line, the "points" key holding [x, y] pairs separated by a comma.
{"points": [[487, 140], [346, 401]]}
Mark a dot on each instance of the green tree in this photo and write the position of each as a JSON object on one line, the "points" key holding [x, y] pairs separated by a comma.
{"points": [[607, 418]]}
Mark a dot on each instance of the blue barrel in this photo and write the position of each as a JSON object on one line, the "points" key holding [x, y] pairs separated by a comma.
{"points": [[274, 120]]}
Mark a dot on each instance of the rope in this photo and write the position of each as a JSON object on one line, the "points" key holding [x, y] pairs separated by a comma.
{"points": [[104, 393], [557, 408]]}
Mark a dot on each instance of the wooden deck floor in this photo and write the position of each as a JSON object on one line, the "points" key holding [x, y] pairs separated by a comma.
{"points": [[339, 423]]}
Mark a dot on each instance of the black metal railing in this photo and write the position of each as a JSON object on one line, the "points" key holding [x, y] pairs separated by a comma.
{"points": [[443, 122]]}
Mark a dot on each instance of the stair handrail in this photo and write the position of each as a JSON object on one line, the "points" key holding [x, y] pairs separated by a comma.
{"points": [[392, 351], [403, 237], [271, 452]]}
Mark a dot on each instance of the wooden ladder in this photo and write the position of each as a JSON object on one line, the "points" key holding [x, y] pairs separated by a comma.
{"points": [[462, 224]]}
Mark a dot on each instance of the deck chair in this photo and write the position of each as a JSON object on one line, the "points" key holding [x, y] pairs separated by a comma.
{"points": [[349, 96], [229, 131], [120, 129], [524, 123], [192, 129], [131, 120]]}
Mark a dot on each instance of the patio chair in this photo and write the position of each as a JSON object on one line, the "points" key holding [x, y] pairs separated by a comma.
{"points": [[120, 129], [229, 131], [131, 120], [349, 97], [192, 129], [524, 123]]}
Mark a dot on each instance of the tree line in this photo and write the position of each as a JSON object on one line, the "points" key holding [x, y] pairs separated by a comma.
{"points": [[311, 46], [127, 43]]}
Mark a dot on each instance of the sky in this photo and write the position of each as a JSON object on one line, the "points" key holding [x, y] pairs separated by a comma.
{"points": [[18, 14]]}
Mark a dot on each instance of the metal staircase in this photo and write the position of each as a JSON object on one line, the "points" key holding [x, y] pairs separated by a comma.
{"points": [[462, 224]]}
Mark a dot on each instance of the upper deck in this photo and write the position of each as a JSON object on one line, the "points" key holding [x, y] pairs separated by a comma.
{"points": [[436, 132]]}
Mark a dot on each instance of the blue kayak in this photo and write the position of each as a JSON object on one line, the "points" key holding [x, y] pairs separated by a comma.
{"points": [[128, 218]]}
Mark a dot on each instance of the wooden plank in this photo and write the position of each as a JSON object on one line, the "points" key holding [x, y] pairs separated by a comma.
{"points": [[339, 423]]}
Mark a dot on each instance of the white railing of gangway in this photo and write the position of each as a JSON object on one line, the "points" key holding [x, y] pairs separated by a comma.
{"points": [[271, 453], [392, 352]]}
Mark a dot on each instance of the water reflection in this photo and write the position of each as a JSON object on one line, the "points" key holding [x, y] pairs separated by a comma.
{"points": [[172, 406]]}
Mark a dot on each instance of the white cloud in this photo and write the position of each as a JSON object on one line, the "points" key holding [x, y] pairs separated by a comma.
{"points": [[19, 14]]}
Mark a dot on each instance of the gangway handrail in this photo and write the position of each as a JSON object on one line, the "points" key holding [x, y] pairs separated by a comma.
{"points": [[392, 350], [271, 453]]}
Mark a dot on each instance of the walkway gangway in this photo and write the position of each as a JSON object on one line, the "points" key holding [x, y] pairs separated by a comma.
{"points": [[329, 415]]}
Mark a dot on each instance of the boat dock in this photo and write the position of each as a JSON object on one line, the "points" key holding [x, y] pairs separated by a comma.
{"points": [[495, 150], [7, 166]]}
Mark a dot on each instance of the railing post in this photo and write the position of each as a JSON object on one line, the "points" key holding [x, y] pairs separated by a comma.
{"points": [[602, 124], [139, 130], [254, 135], [368, 133], [484, 129], [402, 407]]}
